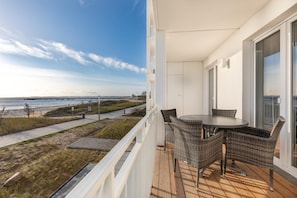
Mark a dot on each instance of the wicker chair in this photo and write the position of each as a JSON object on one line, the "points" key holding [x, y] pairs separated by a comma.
{"points": [[190, 148], [253, 146], [224, 112], [168, 128], [209, 131]]}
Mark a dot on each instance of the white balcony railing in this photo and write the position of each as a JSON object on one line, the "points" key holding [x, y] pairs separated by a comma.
{"points": [[134, 179]]}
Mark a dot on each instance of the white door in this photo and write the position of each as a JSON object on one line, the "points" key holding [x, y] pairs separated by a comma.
{"points": [[175, 93]]}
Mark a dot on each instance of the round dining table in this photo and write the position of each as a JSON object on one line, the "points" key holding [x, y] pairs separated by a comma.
{"points": [[217, 121]]}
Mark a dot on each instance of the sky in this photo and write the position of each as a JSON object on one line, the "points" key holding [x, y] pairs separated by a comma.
{"points": [[72, 47], [272, 75]]}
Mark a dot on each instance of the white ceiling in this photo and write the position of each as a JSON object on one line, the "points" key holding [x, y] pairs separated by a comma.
{"points": [[195, 28]]}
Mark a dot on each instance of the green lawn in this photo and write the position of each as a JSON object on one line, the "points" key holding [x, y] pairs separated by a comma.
{"points": [[45, 165], [13, 125]]}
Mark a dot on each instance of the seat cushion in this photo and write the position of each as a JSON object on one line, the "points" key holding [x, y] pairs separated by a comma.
{"points": [[254, 131]]}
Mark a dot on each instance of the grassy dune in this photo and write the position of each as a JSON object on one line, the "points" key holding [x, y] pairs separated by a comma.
{"points": [[46, 164], [13, 125], [105, 107]]}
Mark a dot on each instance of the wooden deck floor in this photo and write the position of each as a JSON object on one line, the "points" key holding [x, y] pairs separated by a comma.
{"points": [[181, 184]]}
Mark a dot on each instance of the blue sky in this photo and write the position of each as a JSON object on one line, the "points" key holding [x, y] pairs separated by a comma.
{"points": [[272, 75], [72, 47]]}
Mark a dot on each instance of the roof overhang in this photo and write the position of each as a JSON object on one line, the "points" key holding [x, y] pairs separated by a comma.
{"points": [[195, 28]]}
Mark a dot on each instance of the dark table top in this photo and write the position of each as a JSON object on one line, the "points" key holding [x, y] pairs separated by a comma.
{"points": [[217, 121]]}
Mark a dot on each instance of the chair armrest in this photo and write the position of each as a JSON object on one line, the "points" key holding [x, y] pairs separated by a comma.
{"points": [[210, 149], [211, 144], [252, 142]]}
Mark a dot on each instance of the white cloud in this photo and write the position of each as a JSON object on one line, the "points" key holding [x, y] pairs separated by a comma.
{"points": [[111, 62], [51, 50], [76, 55], [16, 47], [23, 80]]}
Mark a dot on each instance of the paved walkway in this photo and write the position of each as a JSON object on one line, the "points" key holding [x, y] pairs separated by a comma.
{"points": [[14, 138]]}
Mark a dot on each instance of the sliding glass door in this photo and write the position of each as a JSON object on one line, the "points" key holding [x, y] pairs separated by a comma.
{"points": [[268, 82]]}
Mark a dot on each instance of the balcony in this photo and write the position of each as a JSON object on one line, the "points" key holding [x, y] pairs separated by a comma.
{"points": [[182, 183], [148, 172]]}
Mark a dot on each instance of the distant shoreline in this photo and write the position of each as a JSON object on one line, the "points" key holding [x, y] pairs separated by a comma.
{"points": [[37, 111], [65, 97]]}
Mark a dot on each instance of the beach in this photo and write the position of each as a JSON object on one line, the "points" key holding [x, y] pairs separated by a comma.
{"points": [[37, 111], [14, 107]]}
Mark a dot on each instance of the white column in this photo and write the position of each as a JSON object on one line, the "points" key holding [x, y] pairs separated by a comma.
{"points": [[161, 79]]}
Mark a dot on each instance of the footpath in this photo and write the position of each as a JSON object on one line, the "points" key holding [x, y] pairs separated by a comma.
{"points": [[14, 138]]}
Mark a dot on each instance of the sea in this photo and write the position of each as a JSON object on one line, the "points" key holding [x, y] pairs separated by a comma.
{"points": [[37, 102]]}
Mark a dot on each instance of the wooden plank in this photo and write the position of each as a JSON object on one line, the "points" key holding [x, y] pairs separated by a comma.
{"points": [[226, 186], [257, 184], [280, 189], [188, 180], [213, 175], [285, 185], [171, 174], [256, 187], [164, 181], [236, 182], [182, 183], [212, 182], [203, 189], [180, 192], [155, 187]]}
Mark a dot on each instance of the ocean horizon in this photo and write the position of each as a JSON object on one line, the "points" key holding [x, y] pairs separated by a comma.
{"points": [[14, 103]]}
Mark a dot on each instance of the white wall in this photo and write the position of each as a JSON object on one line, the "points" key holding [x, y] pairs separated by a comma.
{"points": [[273, 13], [193, 86], [160, 69], [229, 93], [175, 87], [184, 87], [269, 16]]}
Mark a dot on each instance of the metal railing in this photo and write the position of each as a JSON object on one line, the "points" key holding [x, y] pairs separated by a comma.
{"points": [[271, 109], [134, 178]]}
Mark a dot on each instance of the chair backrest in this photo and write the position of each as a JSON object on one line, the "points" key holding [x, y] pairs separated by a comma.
{"points": [[166, 113], [191, 127], [187, 135], [224, 112], [277, 127]]}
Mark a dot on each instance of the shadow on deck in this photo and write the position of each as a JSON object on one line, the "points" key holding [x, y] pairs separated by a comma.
{"points": [[166, 183]]}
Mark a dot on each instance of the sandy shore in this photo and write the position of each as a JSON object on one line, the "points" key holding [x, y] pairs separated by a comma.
{"points": [[37, 112]]}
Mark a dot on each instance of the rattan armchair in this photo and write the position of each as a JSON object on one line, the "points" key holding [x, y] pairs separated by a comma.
{"points": [[190, 148], [253, 146], [169, 136]]}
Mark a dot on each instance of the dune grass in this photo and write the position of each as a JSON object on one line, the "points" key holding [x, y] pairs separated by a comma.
{"points": [[43, 176], [13, 125], [105, 107], [117, 130], [46, 164]]}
